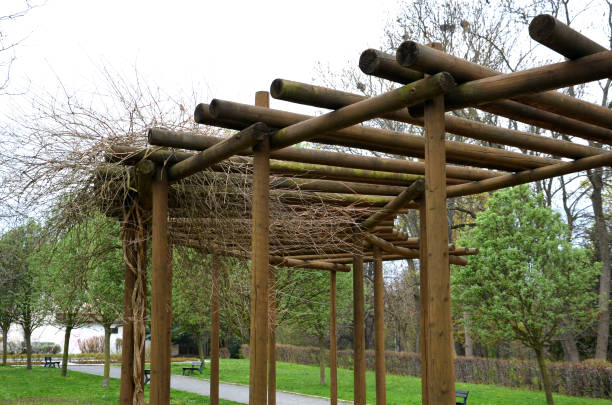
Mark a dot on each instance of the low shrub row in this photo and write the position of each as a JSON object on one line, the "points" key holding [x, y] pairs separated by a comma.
{"points": [[37, 347], [583, 379]]}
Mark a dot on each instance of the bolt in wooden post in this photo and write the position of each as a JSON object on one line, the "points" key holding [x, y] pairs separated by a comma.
{"points": [[379, 327], [359, 396], [333, 336], [161, 294], [440, 366], [214, 332], [260, 261]]}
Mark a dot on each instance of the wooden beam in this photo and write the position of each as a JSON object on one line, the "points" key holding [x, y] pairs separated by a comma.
{"points": [[359, 363], [333, 341], [562, 39], [272, 336], [380, 64], [379, 328], [424, 304], [413, 192], [260, 262], [488, 85], [529, 176], [408, 95], [440, 367], [219, 152], [214, 330], [330, 98], [126, 390], [161, 294], [380, 140]]}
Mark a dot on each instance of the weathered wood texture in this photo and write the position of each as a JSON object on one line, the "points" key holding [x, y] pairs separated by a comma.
{"points": [[424, 304], [359, 367], [272, 336], [214, 330], [161, 294], [408, 95], [379, 328], [260, 267], [440, 365], [330, 98], [333, 341]]}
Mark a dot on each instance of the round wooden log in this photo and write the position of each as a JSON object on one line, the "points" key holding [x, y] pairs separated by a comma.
{"points": [[183, 140], [335, 186], [329, 98], [384, 140], [562, 39], [523, 84], [408, 95], [381, 64], [219, 152], [529, 176], [409, 194]]}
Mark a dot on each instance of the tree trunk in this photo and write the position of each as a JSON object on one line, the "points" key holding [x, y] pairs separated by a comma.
{"points": [[321, 360], [4, 345], [27, 336], [201, 350], [602, 241], [545, 376], [469, 347], [66, 347], [107, 334], [570, 349]]}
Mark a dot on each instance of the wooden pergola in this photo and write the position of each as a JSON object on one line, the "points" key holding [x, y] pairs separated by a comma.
{"points": [[370, 190]]}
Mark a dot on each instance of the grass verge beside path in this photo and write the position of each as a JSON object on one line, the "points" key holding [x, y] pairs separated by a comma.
{"points": [[46, 386], [400, 389]]}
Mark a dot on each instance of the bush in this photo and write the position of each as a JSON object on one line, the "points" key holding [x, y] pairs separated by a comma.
{"points": [[581, 379], [94, 344], [37, 347], [224, 353]]}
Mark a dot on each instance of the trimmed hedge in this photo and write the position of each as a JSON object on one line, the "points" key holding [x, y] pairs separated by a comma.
{"points": [[582, 379]]}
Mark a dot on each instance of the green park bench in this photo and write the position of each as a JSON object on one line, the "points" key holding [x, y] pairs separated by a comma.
{"points": [[195, 366], [463, 395], [49, 362]]}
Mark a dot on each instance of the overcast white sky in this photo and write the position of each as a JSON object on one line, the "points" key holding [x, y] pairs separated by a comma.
{"points": [[227, 48]]}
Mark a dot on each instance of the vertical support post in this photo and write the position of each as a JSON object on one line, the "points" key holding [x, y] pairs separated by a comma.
{"points": [[440, 365], [424, 302], [272, 338], [333, 339], [126, 391], [359, 395], [161, 294], [214, 332], [260, 261], [379, 328]]}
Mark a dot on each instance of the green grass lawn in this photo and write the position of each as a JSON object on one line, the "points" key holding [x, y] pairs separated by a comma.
{"points": [[46, 386], [400, 389]]}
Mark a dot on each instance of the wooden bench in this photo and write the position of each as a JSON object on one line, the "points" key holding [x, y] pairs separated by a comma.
{"points": [[462, 394], [147, 376], [49, 362], [195, 366]]}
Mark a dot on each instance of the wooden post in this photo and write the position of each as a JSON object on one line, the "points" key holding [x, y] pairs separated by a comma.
{"points": [[359, 396], [440, 365], [379, 327], [260, 259], [272, 338], [214, 332], [333, 336], [126, 391], [161, 294], [424, 304]]}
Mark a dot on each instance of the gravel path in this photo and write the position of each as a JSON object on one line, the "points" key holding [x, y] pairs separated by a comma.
{"points": [[232, 392]]}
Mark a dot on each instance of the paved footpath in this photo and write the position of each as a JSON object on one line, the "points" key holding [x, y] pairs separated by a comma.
{"points": [[232, 392]]}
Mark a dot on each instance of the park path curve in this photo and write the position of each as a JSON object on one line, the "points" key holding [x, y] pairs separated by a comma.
{"points": [[231, 392]]}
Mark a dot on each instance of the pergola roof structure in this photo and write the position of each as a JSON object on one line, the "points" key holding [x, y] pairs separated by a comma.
{"points": [[256, 195]]}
